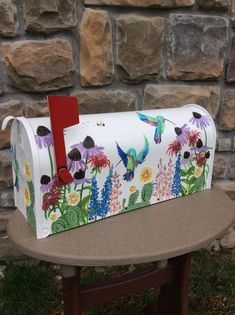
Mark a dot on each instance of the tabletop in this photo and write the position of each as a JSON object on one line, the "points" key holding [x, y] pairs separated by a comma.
{"points": [[157, 232]]}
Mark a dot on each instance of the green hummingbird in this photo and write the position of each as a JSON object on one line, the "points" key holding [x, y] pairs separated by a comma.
{"points": [[131, 159], [158, 122]]}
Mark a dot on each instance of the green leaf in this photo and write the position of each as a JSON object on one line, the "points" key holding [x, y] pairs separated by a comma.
{"points": [[136, 206], [190, 171], [192, 189], [84, 202], [59, 225], [183, 190], [87, 187], [31, 192], [72, 216], [63, 207], [183, 172], [83, 218], [187, 172], [146, 192], [200, 182], [31, 217], [192, 180], [83, 206], [207, 167], [133, 198]]}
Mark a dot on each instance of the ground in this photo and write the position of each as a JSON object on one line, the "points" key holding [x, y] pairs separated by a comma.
{"points": [[34, 288]]}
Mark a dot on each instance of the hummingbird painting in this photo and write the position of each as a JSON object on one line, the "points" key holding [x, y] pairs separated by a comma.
{"points": [[15, 165], [158, 122], [131, 160]]}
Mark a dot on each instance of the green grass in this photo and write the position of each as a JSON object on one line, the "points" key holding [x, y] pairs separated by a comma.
{"points": [[212, 289], [27, 289], [35, 289]]}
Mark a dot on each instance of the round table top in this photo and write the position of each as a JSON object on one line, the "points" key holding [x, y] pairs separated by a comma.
{"points": [[153, 233]]}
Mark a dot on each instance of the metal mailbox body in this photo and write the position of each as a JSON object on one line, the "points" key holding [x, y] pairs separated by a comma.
{"points": [[119, 162]]}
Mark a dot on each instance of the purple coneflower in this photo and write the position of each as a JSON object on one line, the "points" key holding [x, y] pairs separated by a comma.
{"points": [[201, 121], [88, 148], [79, 178], [74, 160], [199, 147], [187, 156], [46, 183], [43, 137], [182, 134]]}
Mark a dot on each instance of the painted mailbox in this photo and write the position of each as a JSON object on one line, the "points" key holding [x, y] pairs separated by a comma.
{"points": [[117, 162]]}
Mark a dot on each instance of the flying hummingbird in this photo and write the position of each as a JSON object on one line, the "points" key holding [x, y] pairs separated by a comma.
{"points": [[158, 122], [131, 160]]}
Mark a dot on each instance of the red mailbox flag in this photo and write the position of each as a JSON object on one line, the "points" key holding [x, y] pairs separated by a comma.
{"points": [[63, 114]]}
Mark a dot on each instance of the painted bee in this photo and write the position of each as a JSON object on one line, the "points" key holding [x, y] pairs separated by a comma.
{"points": [[100, 124]]}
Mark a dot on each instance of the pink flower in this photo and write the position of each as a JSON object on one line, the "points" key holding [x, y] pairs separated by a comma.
{"points": [[193, 137], [99, 161], [51, 199], [174, 147]]}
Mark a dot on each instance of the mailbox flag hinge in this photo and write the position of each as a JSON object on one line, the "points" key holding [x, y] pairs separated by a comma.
{"points": [[63, 114]]}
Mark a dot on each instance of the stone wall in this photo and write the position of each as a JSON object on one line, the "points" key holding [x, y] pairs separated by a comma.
{"points": [[117, 55]]}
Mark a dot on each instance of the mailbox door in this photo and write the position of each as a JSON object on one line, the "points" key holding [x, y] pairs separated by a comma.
{"points": [[25, 170]]}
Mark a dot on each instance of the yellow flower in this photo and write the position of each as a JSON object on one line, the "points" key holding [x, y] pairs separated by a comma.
{"points": [[53, 217], [198, 171], [27, 171], [27, 200], [73, 198], [132, 188], [145, 175]]}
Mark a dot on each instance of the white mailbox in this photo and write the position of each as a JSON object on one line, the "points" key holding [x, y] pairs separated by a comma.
{"points": [[117, 162]]}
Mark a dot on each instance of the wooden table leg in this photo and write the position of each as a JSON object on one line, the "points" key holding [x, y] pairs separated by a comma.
{"points": [[172, 277], [173, 297], [71, 290]]}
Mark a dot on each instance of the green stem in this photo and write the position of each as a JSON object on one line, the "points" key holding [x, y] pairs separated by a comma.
{"points": [[188, 186], [64, 192], [204, 178], [51, 162], [60, 208], [205, 135], [84, 177], [191, 163], [81, 191]]}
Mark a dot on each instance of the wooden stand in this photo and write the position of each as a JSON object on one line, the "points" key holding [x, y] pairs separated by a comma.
{"points": [[172, 300], [166, 233]]}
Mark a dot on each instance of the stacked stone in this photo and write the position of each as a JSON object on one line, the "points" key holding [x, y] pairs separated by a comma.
{"points": [[165, 54]]}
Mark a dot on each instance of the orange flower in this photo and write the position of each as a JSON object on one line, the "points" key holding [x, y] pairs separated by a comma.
{"points": [[73, 198], [132, 188], [53, 217], [198, 171], [145, 175]]}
